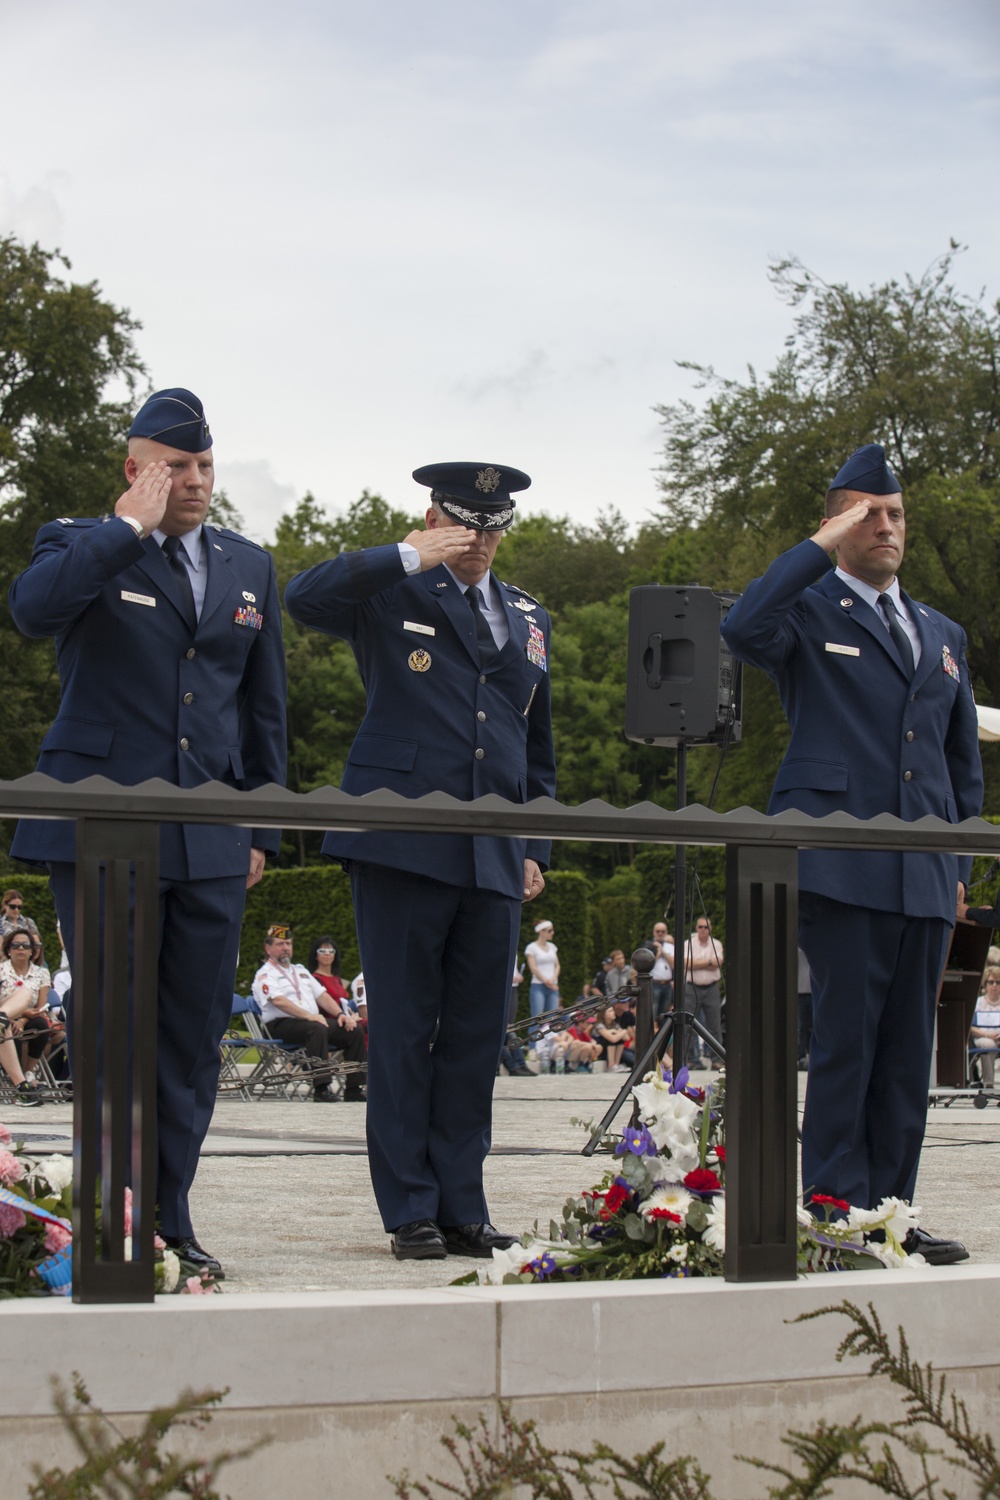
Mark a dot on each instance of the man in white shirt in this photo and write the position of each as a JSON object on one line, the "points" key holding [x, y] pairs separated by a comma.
{"points": [[294, 1007], [662, 972]]}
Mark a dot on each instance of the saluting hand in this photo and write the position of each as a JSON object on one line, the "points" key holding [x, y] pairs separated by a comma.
{"points": [[833, 531], [146, 499], [441, 544]]}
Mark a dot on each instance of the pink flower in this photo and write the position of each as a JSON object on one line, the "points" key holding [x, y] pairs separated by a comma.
{"points": [[11, 1170], [5, 1136], [11, 1220], [195, 1287], [128, 1210], [56, 1237]]}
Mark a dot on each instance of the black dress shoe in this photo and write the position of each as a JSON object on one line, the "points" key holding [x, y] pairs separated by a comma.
{"points": [[324, 1096], [188, 1248], [935, 1252], [419, 1240], [476, 1239], [356, 1096]]}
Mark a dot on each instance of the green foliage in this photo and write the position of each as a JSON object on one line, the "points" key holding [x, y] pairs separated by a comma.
{"points": [[889, 1458], [315, 900], [116, 1467], [61, 347]]}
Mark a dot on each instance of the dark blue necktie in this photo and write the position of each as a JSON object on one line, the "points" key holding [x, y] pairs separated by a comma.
{"points": [[900, 639], [484, 635], [170, 549]]}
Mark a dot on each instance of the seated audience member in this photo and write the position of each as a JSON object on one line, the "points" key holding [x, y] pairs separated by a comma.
{"points": [[577, 1047], [324, 965], [358, 1001], [625, 1018], [24, 994], [12, 914], [611, 1039], [294, 1007], [984, 1033], [545, 1048], [513, 1059]]}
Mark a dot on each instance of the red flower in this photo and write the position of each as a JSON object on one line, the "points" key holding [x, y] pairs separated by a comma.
{"points": [[666, 1214], [702, 1180], [720, 1152], [833, 1202], [613, 1200]]}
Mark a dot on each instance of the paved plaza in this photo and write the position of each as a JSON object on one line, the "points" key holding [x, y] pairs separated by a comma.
{"points": [[283, 1197]]}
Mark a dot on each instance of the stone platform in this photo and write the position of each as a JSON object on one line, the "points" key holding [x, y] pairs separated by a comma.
{"points": [[356, 1364]]}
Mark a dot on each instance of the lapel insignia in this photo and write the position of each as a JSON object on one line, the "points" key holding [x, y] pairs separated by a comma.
{"points": [[923, 612], [535, 649], [950, 665], [846, 603], [247, 615], [418, 661], [523, 604]]}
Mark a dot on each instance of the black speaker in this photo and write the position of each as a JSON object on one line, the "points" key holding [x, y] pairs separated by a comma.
{"points": [[683, 684]]}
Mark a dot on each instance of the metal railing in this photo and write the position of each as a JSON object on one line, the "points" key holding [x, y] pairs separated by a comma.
{"points": [[117, 829]]}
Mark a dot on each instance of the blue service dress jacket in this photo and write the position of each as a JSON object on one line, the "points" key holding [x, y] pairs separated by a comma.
{"points": [[864, 739], [144, 696], [433, 720]]}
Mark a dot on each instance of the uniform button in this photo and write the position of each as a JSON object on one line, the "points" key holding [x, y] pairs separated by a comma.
{"points": [[184, 744], [481, 717], [482, 679], [913, 697], [480, 754], [907, 775], [189, 698], [190, 652], [909, 735]]}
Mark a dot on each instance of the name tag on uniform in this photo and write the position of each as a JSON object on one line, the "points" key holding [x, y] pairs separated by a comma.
{"points": [[418, 629], [843, 650], [138, 599]]}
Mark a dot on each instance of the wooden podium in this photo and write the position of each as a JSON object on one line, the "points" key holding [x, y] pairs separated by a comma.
{"points": [[961, 985]]}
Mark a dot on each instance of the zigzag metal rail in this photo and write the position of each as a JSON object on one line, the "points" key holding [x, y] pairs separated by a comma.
{"points": [[38, 796]]}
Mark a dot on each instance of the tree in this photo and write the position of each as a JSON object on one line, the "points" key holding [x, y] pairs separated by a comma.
{"points": [[914, 365], [62, 349]]}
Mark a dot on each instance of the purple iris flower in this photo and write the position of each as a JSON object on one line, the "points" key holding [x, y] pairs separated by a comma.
{"points": [[543, 1266], [638, 1142], [678, 1084]]}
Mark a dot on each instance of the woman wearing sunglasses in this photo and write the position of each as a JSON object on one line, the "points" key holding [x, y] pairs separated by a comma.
{"points": [[24, 994]]}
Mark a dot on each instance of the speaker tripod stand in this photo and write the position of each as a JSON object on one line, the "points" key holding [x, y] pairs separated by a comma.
{"points": [[650, 1045]]}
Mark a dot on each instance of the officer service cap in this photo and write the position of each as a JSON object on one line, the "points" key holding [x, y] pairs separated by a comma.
{"points": [[477, 495], [175, 418], [867, 471]]}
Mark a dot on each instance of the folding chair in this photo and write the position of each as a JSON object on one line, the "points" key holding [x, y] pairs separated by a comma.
{"points": [[290, 1071]]}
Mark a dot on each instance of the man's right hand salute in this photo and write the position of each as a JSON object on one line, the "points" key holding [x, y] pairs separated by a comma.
{"points": [[146, 500]]}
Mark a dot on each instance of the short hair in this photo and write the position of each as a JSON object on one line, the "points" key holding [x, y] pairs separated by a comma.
{"points": [[991, 972], [8, 938], [835, 502]]}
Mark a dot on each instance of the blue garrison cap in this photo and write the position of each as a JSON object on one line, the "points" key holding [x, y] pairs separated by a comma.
{"points": [[866, 470], [478, 495], [175, 418]]}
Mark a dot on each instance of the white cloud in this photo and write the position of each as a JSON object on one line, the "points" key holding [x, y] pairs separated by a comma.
{"points": [[252, 487]]}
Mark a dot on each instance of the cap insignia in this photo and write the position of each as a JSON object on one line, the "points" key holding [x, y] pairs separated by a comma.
{"points": [[488, 480]]}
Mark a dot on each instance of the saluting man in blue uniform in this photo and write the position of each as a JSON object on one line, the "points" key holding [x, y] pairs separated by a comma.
{"points": [[456, 670], [168, 642], [877, 693]]}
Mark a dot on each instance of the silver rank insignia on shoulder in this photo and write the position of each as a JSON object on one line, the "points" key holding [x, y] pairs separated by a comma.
{"points": [[250, 598], [65, 520], [418, 661], [846, 603], [488, 480]]}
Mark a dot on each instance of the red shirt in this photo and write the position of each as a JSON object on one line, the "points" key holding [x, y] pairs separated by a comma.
{"points": [[334, 988]]}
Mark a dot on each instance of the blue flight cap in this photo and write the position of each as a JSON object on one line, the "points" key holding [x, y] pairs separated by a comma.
{"points": [[175, 418], [477, 495], [867, 471]]}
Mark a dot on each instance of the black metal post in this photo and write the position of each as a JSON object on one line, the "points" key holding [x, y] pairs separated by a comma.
{"points": [[114, 1111], [642, 962], [679, 1028], [761, 1019]]}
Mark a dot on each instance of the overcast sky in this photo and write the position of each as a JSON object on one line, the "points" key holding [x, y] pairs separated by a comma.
{"points": [[377, 236]]}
